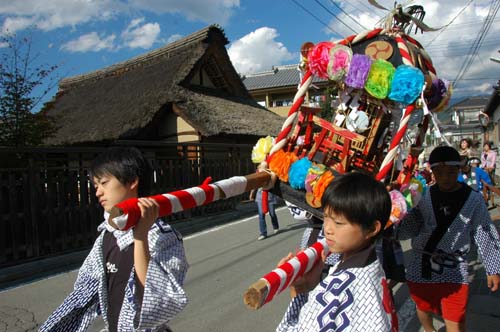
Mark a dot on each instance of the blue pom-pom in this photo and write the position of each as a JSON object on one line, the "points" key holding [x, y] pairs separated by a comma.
{"points": [[297, 173], [407, 84]]}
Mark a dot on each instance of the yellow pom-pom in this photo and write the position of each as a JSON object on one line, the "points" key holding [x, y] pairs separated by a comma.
{"points": [[261, 149]]}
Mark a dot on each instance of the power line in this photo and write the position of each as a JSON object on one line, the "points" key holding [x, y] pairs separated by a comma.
{"points": [[348, 15], [363, 3], [452, 20], [331, 13], [478, 42], [315, 17]]}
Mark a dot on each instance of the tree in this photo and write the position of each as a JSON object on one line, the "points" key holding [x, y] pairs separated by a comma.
{"points": [[23, 84]]}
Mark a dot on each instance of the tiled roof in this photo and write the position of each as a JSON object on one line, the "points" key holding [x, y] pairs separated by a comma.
{"points": [[472, 102], [280, 76]]}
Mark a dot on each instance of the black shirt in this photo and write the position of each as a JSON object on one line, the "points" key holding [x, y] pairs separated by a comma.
{"points": [[117, 265], [446, 206]]}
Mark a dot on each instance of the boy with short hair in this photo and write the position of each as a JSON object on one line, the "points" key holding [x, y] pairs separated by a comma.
{"points": [[442, 227], [354, 295], [132, 278]]}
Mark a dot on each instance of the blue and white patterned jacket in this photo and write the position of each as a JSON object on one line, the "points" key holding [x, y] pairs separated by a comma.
{"points": [[163, 296], [449, 261], [354, 296]]}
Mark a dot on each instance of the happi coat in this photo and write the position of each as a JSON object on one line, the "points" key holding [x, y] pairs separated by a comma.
{"points": [[449, 258], [354, 296], [163, 295]]}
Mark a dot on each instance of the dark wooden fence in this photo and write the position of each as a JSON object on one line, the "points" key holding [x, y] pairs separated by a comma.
{"points": [[48, 204]]}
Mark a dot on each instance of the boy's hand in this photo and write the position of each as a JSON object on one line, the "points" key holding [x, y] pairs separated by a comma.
{"points": [[493, 282], [149, 213]]}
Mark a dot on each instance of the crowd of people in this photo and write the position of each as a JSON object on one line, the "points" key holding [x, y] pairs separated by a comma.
{"points": [[134, 279]]}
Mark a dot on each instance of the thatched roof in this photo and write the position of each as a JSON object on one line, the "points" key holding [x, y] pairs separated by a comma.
{"points": [[119, 101]]}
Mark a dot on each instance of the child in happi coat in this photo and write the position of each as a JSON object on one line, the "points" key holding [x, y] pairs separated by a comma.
{"points": [[443, 226], [313, 233], [354, 295], [132, 278]]}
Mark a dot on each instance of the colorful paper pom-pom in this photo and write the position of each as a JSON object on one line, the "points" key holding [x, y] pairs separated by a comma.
{"points": [[261, 149], [446, 98], [321, 185], [399, 206], [436, 93], [407, 84], [358, 71], [313, 175], [297, 173], [280, 164], [340, 59], [318, 59], [379, 79], [411, 194]]}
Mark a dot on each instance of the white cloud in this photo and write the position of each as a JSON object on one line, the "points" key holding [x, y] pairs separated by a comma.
{"points": [[90, 42], [13, 24], [49, 15], [258, 51], [173, 38], [141, 35], [53, 14]]}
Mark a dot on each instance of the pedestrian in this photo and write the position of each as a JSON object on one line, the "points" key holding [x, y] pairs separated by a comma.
{"points": [[426, 172], [442, 227], [474, 176], [488, 160], [132, 278], [354, 294], [465, 147], [272, 200]]}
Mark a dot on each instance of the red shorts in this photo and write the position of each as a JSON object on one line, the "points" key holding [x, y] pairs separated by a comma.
{"points": [[445, 299]]}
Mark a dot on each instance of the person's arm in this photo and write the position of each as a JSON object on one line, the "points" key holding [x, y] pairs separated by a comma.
{"points": [[149, 213], [488, 242]]}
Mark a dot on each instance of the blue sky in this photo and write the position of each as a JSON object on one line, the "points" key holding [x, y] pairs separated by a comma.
{"points": [[84, 35]]}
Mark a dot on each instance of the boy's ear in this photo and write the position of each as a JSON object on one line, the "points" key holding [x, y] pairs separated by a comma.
{"points": [[134, 185], [377, 227]]}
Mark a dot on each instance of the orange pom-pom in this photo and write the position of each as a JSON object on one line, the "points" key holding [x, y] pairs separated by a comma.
{"points": [[280, 164], [321, 184]]}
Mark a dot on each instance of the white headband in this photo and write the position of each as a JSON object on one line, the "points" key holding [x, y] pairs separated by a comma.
{"points": [[448, 163]]}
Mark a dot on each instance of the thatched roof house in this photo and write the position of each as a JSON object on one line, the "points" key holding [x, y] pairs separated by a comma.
{"points": [[185, 91]]}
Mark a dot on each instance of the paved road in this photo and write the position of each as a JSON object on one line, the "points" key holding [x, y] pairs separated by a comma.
{"points": [[224, 261]]}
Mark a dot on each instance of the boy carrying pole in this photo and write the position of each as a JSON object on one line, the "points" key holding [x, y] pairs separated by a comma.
{"points": [[132, 278], [442, 227]]}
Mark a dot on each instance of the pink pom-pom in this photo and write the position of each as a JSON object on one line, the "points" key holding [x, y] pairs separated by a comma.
{"points": [[318, 59]]}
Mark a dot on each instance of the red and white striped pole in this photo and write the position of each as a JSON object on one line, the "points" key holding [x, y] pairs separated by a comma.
{"points": [[280, 278], [286, 128], [127, 213]]}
